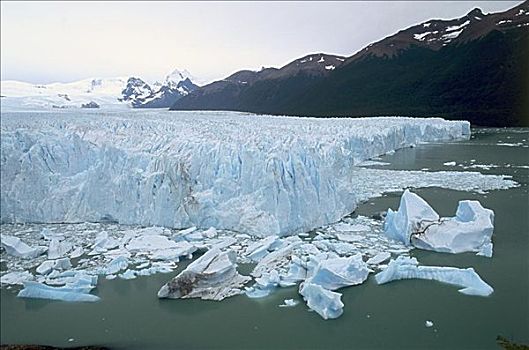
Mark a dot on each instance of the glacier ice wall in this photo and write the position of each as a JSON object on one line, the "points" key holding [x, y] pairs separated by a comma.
{"points": [[257, 174]]}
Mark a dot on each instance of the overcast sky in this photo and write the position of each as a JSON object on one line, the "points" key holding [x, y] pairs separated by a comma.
{"points": [[44, 42]]}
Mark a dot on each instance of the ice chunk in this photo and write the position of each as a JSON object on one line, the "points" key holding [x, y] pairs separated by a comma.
{"points": [[14, 246], [486, 250], [58, 249], [339, 272], [275, 258], [326, 303], [407, 268], [103, 243], [428, 323], [66, 293], [413, 216], [264, 285], [116, 265], [16, 277], [47, 266], [289, 303], [212, 276], [77, 252], [128, 275], [153, 242], [77, 288], [379, 258], [296, 272], [469, 231], [49, 235], [257, 250], [182, 248], [210, 233]]}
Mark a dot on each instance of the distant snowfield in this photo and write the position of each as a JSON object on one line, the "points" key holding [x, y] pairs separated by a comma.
{"points": [[259, 175], [18, 95]]}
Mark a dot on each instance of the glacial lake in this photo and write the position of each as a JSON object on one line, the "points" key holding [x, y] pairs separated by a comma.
{"points": [[130, 316]]}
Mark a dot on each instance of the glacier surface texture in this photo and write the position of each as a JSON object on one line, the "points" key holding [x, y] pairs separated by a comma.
{"points": [[261, 175]]}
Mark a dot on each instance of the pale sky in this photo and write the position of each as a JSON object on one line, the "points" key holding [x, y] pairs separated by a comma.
{"points": [[44, 42]]}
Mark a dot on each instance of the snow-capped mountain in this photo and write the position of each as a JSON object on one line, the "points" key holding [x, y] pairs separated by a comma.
{"points": [[163, 95], [473, 67], [119, 92]]}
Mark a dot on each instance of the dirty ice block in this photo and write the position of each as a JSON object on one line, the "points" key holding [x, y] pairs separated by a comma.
{"points": [[213, 276]]}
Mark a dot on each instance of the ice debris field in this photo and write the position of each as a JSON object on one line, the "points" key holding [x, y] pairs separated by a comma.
{"points": [[120, 196]]}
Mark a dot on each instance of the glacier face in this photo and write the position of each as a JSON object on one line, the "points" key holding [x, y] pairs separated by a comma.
{"points": [[261, 175]]}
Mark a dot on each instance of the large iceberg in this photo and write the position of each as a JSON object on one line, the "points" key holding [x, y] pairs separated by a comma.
{"points": [[469, 231], [418, 224], [406, 268], [261, 175], [414, 216], [14, 246], [213, 276], [77, 287]]}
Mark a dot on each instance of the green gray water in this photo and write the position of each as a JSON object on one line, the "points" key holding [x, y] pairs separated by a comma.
{"points": [[130, 316]]}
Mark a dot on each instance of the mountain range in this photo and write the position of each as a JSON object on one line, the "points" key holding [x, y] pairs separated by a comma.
{"points": [[99, 92], [475, 67]]}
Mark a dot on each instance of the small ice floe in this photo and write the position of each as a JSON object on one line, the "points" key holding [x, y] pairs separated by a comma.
{"points": [[117, 264], [128, 275], [77, 288], [58, 249], [77, 252], [15, 247], [418, 224], [452, 163], [428, 324], [213, 276], [289, 303], [326, 303], [49, 265], [48, 235], [339, 272], [103, 243], [407, 268], [378, 258], [16, 277]]}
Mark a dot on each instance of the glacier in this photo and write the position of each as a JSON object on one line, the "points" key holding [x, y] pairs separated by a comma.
{"points": [[261, 175]]}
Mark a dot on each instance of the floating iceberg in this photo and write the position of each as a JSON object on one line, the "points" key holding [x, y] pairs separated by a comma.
{"points": [[289, 303], [261, 175], [77, 288], [413, 216], [14, 246], [213, 276], [16, 277], [336, 273], [47, 266], [418, 224], [469, 231], [58, 249], [326, 303], [407, 268], [117, 264]]}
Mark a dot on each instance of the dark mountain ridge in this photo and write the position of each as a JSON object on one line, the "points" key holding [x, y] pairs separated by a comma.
{"points": [[474, 68]]}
